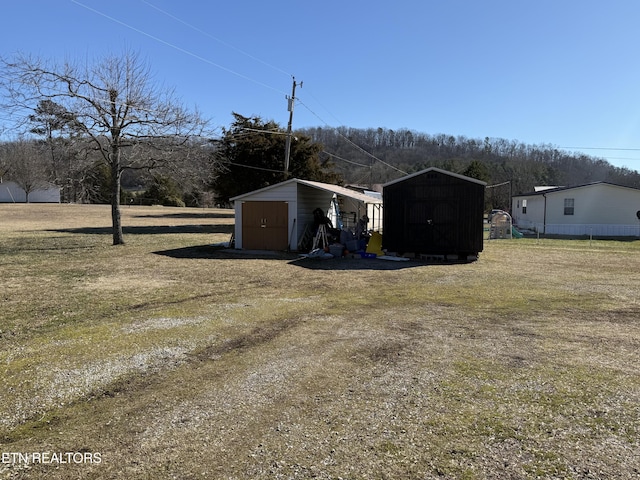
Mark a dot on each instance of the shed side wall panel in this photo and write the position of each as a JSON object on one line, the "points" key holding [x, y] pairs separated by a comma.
{"points": [[308, 200]]}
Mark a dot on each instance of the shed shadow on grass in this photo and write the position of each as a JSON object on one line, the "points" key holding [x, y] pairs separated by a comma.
{"points": [[221, 253], [189, 215], [150, 230], [354, 264]]}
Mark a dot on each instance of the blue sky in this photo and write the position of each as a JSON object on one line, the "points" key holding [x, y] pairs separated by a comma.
{"points": [[558, 72]]}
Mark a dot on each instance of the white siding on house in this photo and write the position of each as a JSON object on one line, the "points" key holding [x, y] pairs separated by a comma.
{"points": [[533, 218], [600, 209], [599, 203]]}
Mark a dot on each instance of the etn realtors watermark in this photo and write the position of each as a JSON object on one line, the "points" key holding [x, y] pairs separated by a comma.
{"points": [[50, 458]]}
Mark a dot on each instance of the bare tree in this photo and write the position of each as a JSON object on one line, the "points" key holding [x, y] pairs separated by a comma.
{"points": [[23, 160], [115, 104], [4, 160]]}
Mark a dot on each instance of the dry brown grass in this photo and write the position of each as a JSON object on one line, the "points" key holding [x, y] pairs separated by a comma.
{"points": [[176, 360]]}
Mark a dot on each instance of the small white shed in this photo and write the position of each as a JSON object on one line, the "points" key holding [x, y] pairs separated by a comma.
{"points": [[11, 192], [599, 209], [279, 216]]}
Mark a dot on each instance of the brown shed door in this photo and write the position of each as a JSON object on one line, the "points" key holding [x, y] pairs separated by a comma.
{"points": [[264, 225]]}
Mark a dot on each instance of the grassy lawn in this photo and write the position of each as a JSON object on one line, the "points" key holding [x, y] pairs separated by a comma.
{"points": [[168, 358]]}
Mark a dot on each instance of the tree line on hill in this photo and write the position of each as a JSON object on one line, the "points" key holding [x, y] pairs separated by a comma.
{"points": [[378, 155], [107, 134], [249, 155]]}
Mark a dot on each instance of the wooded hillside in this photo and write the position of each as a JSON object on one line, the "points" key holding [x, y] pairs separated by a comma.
{"points": [[378, 155]]}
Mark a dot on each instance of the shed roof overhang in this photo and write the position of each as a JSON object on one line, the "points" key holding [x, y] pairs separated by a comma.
{"points": [[439, 170], [341, 191]]}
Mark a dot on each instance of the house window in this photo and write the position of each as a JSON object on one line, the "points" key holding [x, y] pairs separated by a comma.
{"points": [[568, 206], [524, 206]]}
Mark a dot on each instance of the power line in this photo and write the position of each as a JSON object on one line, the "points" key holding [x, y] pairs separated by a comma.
{"points": [[602, 148], [249, 166], [622, 158], [345, 160], [272, 132], [319, 103], [498, 184], [180, 49], [193, 27], [610, 149], [358, 147], [187, 52]]}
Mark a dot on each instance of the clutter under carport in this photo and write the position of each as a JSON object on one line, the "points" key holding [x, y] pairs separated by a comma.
{"points": [[358, 242]]}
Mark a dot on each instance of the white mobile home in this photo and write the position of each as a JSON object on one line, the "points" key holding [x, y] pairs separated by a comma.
{"points": [[599, 209], [279, 216]]}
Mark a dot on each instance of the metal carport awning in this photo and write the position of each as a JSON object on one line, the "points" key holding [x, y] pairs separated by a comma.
{"points": [[342, 191]]}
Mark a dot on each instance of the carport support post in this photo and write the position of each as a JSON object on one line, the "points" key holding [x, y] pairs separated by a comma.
{"points": [[287, 149]]}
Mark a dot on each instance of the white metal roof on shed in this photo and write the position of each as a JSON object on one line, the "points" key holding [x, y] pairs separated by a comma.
{"points": [[342, 191], [435, 169]]}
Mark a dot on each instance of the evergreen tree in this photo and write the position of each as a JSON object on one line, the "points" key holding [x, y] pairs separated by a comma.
{"points": [[253, 153], [477, 170]]}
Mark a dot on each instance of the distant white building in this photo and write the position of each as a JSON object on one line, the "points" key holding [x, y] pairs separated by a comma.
{"points": [[599, 209], [11, 192]]}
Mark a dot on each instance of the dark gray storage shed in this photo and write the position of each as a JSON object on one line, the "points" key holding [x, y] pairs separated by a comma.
{"points": [[433, 212]]}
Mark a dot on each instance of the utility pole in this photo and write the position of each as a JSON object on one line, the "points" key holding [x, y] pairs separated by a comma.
{"points": [[287, 151]]}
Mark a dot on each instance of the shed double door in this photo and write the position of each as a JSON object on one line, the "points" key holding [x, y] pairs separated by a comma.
{"points": [[264, 225], [432, 226]]}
